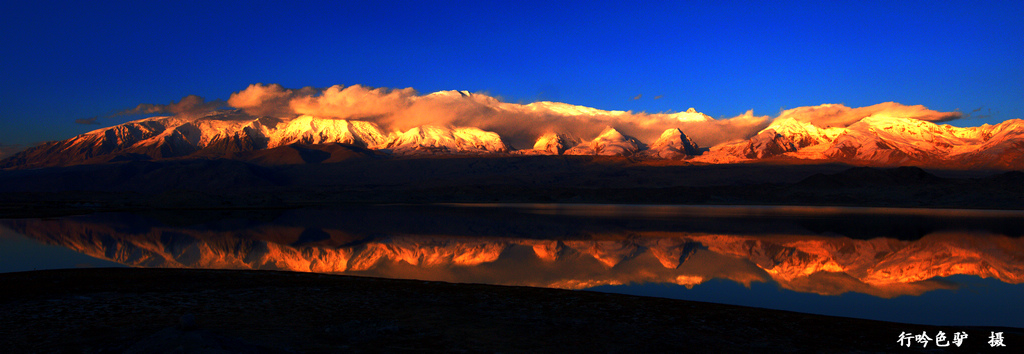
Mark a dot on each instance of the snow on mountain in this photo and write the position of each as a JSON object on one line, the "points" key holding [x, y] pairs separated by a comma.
{"points": [[157, 137], [311, 130], [691, 115], [883, 140], [725, 153], [451, 93], [609, 143], [139, 136], [552, 144], [880, 139], [673, 144], [804, 134], [1003, 146], [432, 139], [223, 133], [893, 140], [787, 135]]}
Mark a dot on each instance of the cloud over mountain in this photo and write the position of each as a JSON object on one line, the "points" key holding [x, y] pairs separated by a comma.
{"points": [[190, 104], [354, 102], [268, 100], [521, 125], [838, 115]]}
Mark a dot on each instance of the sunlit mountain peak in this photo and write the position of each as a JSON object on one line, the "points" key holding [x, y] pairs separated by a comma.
{"points": [[443, 139], [555, 144], [674, 144], [691, 115], [610, 143]]}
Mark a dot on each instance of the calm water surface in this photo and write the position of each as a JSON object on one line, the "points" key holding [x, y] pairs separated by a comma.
{"points": [[943, 267]]}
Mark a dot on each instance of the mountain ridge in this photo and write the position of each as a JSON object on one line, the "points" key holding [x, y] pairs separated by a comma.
{"points": [[883, 142], [877, 140]]}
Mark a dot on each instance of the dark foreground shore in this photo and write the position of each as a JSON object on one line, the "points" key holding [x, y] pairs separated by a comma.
{"points": [[228, 184], [175, 310]]}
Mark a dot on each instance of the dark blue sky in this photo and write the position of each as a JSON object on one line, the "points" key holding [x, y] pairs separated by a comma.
{"points": [[78, 60]]}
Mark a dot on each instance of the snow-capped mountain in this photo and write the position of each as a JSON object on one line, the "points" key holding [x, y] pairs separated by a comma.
{"points": [[158, 137], [554, 144], [673, 144], [787, 135], [222, 133], [446, 140], [311, 130], [879, 139], [691, 115], [885, 141], [609, 143]]}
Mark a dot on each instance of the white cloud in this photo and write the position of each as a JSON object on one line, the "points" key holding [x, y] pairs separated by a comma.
{"points": [[838, 115]]}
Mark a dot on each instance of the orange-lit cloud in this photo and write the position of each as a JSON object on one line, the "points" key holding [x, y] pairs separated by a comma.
{"points": [[838, 115], [190, 104], [268, 100], [722, 130], [519, 125], [353, 102]]}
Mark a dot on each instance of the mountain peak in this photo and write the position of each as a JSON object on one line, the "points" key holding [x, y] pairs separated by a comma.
{"points": [[312, 130], [691, 115], [609, 143], [555, 144], [451, 93], [674, 144], [435, 139], [671, 132], [610, 133]]}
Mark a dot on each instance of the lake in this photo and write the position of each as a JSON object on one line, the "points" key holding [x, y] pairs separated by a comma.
{"points": [[924, 266]]}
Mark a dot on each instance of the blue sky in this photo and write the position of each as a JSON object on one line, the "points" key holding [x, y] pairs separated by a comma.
{"points": [[78, 60]]}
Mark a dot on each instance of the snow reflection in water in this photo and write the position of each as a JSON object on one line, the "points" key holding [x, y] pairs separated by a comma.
{"points": [[883, 253]]}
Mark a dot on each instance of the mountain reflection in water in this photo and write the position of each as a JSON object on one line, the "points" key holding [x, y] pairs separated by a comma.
{"points": [[828, 251]]}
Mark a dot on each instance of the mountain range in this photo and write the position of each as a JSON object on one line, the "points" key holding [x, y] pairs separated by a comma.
{"points": [[886, 141], [877, 140]]}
